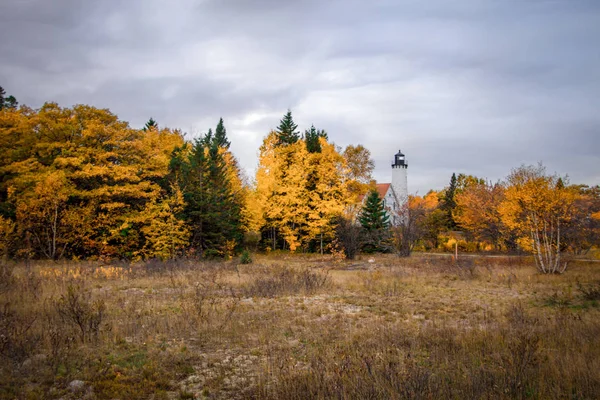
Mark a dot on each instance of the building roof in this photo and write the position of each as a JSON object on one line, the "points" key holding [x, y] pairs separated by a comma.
{"points": [[382, 189]]}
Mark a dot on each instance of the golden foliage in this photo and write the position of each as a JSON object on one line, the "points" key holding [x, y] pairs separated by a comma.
{"points": [[297, 192], [79, 178], [537, 206]]}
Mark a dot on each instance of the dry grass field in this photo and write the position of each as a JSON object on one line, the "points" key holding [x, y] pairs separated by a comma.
{"points": [[299, 327]]}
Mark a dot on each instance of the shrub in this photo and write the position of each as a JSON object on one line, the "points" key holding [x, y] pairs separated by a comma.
{"points": [[77, 308], [18, 341], [348, 237], [590, 292], [287, 281], [245, 257]]}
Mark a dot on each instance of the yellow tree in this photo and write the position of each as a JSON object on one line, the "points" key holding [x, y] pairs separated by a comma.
{"points": [[359, 168], [538, 206], [477, 211], [288, 206], [41, 213], [267, 179], [110, 172], [7, 237], [166, 235], [327, 190]]}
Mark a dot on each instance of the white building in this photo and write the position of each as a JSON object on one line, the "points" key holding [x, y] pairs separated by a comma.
{"points": [[395, 194]]}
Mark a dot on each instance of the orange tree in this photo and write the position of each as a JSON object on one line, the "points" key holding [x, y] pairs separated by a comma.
{"points": [[538, 207]]}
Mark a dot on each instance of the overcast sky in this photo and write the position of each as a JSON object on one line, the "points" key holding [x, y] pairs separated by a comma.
{"points": [[472, 86]]}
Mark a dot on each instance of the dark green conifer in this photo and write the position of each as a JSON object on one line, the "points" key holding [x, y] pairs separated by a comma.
{"points": [[449, 203], [373, 215], [213, 210], [221, 135], [311, 137], [286, 131], [7, 102], [375, 222], [150, 125]]}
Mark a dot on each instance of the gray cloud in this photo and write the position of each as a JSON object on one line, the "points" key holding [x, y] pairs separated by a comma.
{"points": [[478, 87]]}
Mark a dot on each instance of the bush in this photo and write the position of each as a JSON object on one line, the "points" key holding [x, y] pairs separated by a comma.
{"points": [[287, 281], [245, 257], [348, 237], [77, 308], [590, 292]]}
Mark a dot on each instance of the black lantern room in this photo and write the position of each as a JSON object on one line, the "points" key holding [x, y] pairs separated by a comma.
{"points": [[399, 160]]}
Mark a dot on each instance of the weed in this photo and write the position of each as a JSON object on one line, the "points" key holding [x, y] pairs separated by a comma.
{"points": [[77, 307], [286, 281], [591, 291], [245, 258]]}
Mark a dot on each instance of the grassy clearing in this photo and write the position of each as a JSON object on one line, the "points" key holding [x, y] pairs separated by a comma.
{"points": [[296, 327]]}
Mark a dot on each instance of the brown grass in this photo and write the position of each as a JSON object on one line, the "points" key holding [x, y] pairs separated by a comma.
{"points": [[297, 327]]}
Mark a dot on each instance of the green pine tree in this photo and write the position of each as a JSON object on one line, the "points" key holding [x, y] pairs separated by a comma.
{"points": [[286, 131], [150, 125], [213, 211], [448, 203], [373, 215], [375, 222], [311, 137], [207, 140], [221, 135], [7, 102]]}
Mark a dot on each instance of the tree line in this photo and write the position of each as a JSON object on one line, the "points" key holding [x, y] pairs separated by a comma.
{"points": [[81, 183], [530, 210]]}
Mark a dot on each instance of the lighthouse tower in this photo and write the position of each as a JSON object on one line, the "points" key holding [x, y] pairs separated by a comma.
{"points": [[400, 188]]}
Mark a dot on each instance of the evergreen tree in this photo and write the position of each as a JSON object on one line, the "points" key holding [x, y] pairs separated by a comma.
{"points": [[374, 220], [449, 203], [286, 131], [193, 184], [11, 102], [150, 125], [221, 135], [7, 102], [312, 139], [207, 140], [374, 216], [213, 209]]}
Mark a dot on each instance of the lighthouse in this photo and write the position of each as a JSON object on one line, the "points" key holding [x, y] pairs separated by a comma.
{"points": [[400, 188]]}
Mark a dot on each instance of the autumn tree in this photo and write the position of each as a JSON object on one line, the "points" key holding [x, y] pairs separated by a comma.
{"points": [[538, 207], [298, 191], [7, 238], [477, 212], [583, 233], [360, 166], [41, 213], [288, 207], [464, 181], [427, 218], [103, 174], [166, 232], [326, 190]]}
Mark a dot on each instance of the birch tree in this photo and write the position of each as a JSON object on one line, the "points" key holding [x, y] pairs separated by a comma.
{"points": [[538, 206]]}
